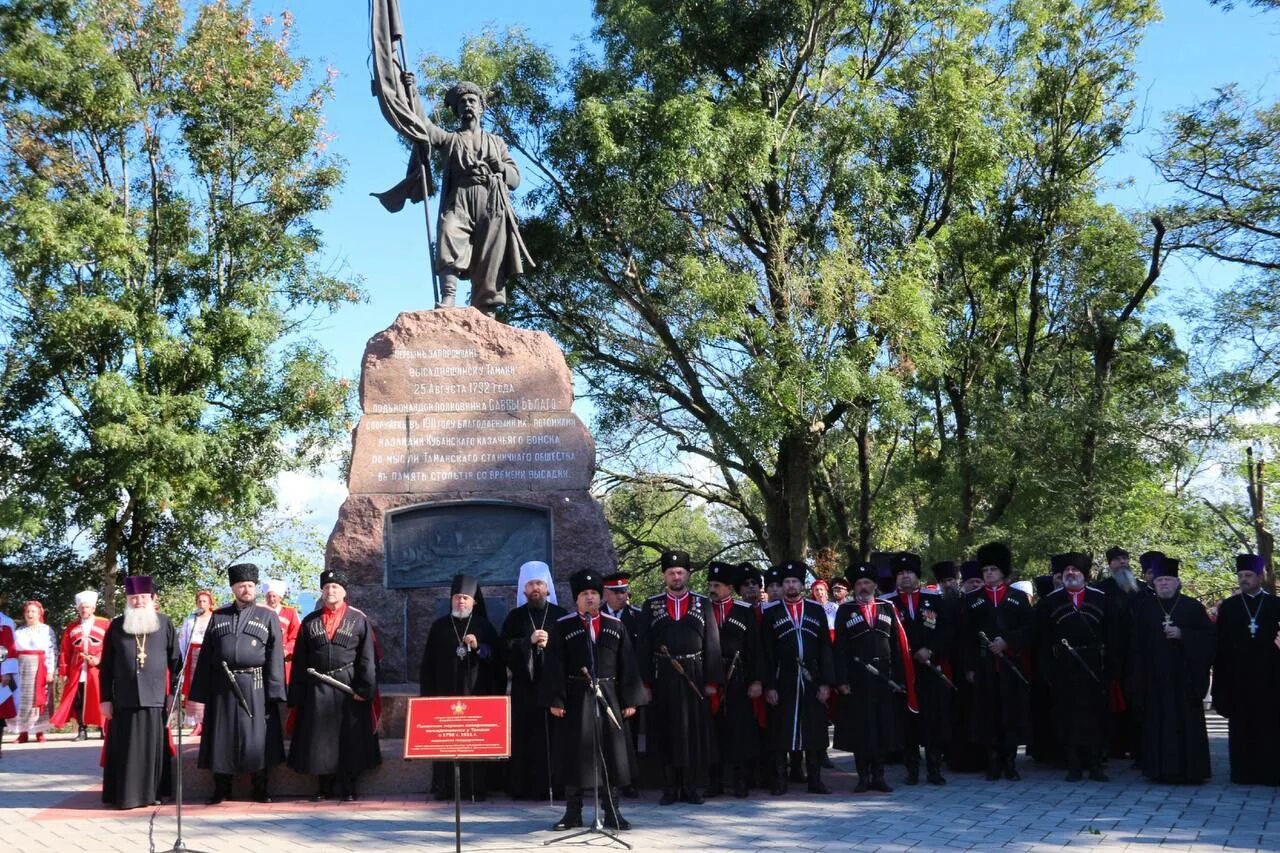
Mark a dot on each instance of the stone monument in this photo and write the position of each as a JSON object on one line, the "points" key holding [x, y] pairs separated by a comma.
{"points": [[468, 458]]}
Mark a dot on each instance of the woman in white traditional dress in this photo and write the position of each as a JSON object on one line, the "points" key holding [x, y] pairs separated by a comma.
{"points": [[37, 662], [190, 638]]}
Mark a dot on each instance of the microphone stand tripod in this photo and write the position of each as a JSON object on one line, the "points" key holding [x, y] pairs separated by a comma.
{"points": [[601, 774], [179, 846]]}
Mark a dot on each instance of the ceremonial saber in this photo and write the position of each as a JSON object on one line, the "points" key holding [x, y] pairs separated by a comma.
{"points": [[332, 682], [595, 685], [1075, 654], [235, 688], [1004, 657], [897, 688], [937, 670], [678, 667]]}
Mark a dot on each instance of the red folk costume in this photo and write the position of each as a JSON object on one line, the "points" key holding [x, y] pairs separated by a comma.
{"points": [[81, 653], [8, 669]]}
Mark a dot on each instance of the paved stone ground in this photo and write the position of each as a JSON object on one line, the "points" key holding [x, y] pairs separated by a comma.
{"points": [[49, 796]]}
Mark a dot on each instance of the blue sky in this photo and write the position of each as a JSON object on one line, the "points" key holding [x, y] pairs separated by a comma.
{"points": [[1196, 48]]}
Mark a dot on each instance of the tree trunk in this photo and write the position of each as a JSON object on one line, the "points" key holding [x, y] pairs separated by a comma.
{"points": [[964, 463], [864, 490], [788, 512]]}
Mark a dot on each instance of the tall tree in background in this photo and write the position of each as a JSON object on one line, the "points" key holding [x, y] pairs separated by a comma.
{"points": [[764, 227], [158, 264]]}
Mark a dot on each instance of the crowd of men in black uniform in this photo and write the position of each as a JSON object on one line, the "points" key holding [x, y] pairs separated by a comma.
{"points": [[703, 695]]}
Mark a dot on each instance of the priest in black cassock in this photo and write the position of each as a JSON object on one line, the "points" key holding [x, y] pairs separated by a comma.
{"points": [[240, 679], [1123, 589], [797, 680], [140, 660], [462, 657], [335, 735], [870, 636], [1170, 651], [1074, 635], [680, 653], [588, 646], [525, 635], [1246, 675], [997, 634], [733, 714]]}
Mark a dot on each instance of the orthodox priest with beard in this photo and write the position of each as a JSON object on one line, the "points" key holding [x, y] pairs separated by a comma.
{"points": [[240, 679], [139, 669], [1170, 652], [680, 653], [1123, 590], [335, 736], [525, 634], [1246, 675], [582, 644], [463, 657]]}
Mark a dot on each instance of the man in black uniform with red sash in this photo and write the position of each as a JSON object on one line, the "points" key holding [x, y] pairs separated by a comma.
{"points": [[798, 675], [732, 711], [240, 679], [997, 634], [644, 765], [585, 646], [680, 653], [1074, 637], [872, 664], [334, 735], [929, 621]]}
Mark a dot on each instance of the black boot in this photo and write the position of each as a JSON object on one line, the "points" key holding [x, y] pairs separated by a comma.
{"points": [[572, 818], [911, 760], [716, 786], [669, 789], [347, 788], [83, 734], [993, 766], [1011, 766], [739, 775], [877, 778], [779, 785], [797, 767], [864, 776], [933, 768], [324, 788], [1074, 774], [1096, 773], [260, 794], [815, 785], [613, 819], [221, 789]]}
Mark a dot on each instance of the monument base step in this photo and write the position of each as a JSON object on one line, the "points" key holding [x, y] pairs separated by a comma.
{"points": [[394, 776]]}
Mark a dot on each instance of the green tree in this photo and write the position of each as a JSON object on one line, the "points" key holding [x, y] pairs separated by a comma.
{"points": [[647, 520], [159, 266]]}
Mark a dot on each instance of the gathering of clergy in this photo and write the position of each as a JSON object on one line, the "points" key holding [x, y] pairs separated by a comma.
{"points": [[694, 696]]}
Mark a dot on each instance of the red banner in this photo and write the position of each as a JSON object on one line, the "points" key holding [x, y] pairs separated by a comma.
{"points": [[458, 727]]}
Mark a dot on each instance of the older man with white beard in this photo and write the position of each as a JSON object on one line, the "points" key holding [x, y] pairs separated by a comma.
{"points": [[140, 667], [1124, 589]]}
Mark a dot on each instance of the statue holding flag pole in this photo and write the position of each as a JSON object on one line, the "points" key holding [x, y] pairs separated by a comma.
{"points": [[478, 236]]}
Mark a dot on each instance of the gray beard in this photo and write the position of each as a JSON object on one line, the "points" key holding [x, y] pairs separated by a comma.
{"points": [[141, 620], [461, 614], [1125, 580]]}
